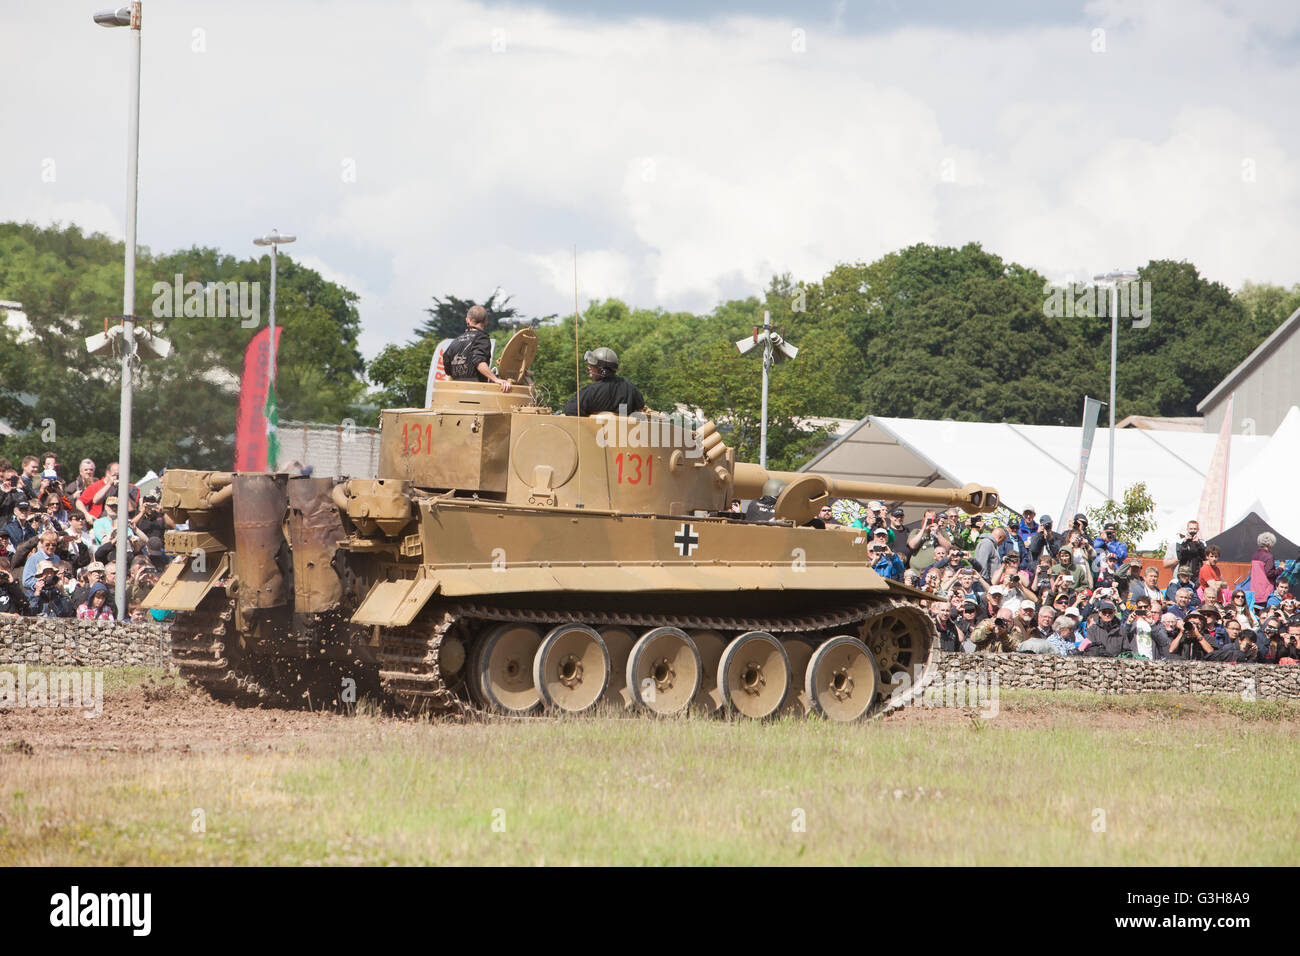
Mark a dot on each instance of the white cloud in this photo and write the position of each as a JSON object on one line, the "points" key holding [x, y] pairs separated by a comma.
{"points": [[687, 160]]}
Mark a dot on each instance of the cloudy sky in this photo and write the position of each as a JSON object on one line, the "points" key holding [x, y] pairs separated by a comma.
{"points": [[688, 150]]}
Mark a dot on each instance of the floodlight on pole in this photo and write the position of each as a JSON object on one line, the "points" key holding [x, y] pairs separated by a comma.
{"points": [[128, 16], [1114, 277], [274, 240], [775, 348]]}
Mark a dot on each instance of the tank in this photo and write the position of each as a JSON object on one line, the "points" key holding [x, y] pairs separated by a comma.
{"points": [[506, 559]]}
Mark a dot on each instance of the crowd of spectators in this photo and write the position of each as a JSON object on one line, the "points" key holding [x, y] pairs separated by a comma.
{"points": [[58, 540], [1026, 587]]}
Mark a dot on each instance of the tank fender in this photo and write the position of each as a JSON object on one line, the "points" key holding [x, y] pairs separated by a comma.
{"points": [[395, 603]]}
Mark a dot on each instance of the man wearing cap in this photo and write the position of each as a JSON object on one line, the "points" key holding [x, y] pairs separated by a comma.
{"points": [[993, 635], [1022, 622], [1191, 643], [91, 575], [1104, 633], [21, 527], [12, 598], [1109, 542], [993, 602], [47, 598], [1039, 640], [1045, 539], [884, 561], [966, 622], [466, 357], [1182, 582], [1028, 527], [608, 392], [899, 536]]}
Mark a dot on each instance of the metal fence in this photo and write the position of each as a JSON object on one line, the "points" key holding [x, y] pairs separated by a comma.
{"points": [[332, 451]]}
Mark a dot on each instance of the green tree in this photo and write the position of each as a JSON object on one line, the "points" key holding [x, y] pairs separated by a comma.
{"points": [[185, 406], [1134, 514], [1268, 306]]}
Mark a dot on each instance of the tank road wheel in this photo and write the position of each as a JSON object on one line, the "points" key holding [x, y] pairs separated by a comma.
{"points": [[663, 671], [503, 672], [754, 674], [710, 644], [899, 638], [796, 697], [571, 668], [618, 642], [841, 679]]}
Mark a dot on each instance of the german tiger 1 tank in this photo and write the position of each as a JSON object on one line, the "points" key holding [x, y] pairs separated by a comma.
{"points": [[506, 559]]}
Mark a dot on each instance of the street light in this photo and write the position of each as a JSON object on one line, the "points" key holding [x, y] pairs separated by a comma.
{"points": [[1114, 277], [775, 347], [274, 240], [128, 16]]}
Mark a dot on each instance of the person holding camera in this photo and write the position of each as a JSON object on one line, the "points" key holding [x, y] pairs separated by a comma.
{"points": [[927, 541], [884, 561], [1044, 540], [12, 598], [93, 498], [1190, 641], [47, 597], [1239, 648], [1189, 550], [21, 527]]}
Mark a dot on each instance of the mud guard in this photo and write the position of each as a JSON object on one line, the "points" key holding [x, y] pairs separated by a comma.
{"points": [[395, 603], [182, 587]]}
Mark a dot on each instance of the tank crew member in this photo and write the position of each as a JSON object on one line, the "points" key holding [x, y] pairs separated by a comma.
{"points": [[466, 358], [607, 392], [763, 508]]}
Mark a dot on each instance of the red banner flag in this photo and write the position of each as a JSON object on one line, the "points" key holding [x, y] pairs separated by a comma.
{"points": [[250, 432], [1214, 493]]}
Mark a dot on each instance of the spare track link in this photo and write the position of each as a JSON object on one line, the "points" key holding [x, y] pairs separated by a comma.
{"points": [[409, 657], [198, 651]]}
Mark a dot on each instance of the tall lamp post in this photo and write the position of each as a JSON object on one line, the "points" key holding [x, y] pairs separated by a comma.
{"points": [[1114, 277], [775, 347], [274, 240], [128, 16]]}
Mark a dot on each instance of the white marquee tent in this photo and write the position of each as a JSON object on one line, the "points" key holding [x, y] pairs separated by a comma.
{"points": [[1033, 466]]}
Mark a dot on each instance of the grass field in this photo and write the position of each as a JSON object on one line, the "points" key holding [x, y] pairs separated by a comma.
{"points": [[1054, 778]]}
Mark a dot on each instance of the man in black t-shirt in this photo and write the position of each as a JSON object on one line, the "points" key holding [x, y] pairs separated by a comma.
{"points": [[466, 358], [607, 391]]}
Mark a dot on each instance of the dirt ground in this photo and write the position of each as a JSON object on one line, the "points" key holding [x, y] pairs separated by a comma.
{"points": [[162, 717], [167, 716]]}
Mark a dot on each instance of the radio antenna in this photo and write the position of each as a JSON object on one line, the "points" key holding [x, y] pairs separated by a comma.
{"points": [[577, 369]]}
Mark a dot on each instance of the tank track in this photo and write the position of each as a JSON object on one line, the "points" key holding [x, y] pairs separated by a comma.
{"points": [[198, 652], [409, 657]]}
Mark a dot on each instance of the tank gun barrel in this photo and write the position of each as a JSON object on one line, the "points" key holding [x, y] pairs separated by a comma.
{"points": [[812, 488]]}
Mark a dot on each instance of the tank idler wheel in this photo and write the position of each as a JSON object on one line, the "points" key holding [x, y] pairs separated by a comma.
{"points": [[841, 680], [503, 671], [571, 668], [796, 697], [710, 644], [754, 675], [618, 642], [663, 671]]}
